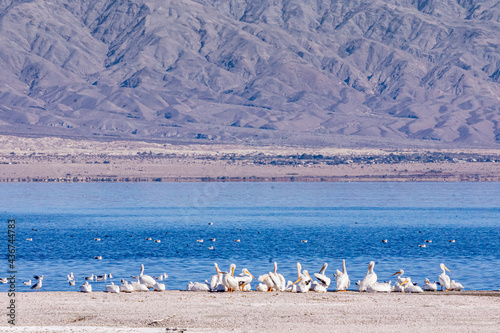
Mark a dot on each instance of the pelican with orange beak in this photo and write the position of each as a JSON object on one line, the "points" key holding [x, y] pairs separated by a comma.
{"points": [[228, 279], [444, 279], [369, 279], [244, 279]]}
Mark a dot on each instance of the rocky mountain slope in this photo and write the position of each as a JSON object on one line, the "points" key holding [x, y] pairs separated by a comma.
{"points": [[307, 72]]}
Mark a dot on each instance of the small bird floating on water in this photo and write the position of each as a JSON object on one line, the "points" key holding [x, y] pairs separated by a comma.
{"points": [[384, 240]]}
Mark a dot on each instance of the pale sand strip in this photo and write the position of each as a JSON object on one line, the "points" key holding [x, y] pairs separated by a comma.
{"points": [[258, 312]]}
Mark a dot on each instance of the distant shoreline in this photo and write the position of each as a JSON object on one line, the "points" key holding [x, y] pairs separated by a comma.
{"points": [[65, 160]]}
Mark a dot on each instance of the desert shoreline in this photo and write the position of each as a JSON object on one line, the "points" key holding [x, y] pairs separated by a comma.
{"points": [[65, 161], [254, 312]]}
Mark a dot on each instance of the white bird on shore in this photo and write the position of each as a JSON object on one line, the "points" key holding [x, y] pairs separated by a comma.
{"points": [[322, 278], [228, 279], [410, 287], [342, 278], [262, 287], [216, 281], [457, 286], [428, 286], [38, 285], [197, 286], [112, 288], [159, 286], [27, 283], [304, 280], [444, 279], [126, 287], [86, 287], [147, 280], [369, 279], [317, 287], [138, 286], [244, 279], [400, 273], [380, 287]]}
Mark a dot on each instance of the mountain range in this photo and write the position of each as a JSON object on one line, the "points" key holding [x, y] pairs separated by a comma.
{"points": [[389, 73]]}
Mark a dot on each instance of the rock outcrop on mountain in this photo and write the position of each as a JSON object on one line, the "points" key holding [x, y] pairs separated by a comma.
{"points": [[298, 72]]}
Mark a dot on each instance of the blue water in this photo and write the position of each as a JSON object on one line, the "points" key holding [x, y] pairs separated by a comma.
{"points": [[339, 220]]}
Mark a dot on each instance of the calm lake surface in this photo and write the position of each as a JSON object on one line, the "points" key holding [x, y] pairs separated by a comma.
{"points": [[339, 221]]}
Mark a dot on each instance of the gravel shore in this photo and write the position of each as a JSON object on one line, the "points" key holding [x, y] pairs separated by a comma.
{"points": [[177, 311]]}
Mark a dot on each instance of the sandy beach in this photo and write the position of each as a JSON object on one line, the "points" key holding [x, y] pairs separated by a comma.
{"points": [[474, 311]]}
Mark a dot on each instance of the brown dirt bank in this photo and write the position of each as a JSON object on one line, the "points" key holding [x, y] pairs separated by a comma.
{"points": [[256, 312]]}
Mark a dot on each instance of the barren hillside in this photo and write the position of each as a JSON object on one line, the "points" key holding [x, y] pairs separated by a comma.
{"points": [[290, 72]]}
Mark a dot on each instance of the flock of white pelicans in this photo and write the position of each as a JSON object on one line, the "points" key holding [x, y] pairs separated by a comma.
{"points": [[272, 281]]}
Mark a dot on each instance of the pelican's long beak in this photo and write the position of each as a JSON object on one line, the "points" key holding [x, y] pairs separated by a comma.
{"points": [[398, 272], [297, 281], [322, 269], [369, 267], [446, 268], [232, 271], [309, 276], [251, 274], [406, 281]]}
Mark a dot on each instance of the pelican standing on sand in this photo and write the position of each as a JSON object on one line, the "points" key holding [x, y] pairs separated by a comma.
{"points": [[216, 281], [444, 279], [369, 279], [400, 273], [228, 279], [322, 278], [244, 279], [146, 280], [342, 278]]}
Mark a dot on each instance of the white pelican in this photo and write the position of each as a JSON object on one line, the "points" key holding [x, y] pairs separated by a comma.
{"points": [[322, 278], [4, 280], [157, 241], [369, 279], [428, 286], [261, 287], [112, 288], [244, 278], [146, 280], [212, 239], [317, 287], [456, 285], [412, 288], [400, 273], [422, 245], [29, 239], [126, 287], [86, 287], [237, 240], [228, 279], [91, 278], [384, 240], [199, 240], [216, 281], [304, 280], [380, 287], [277, 279], [27, 283], [98, 257], [210, 247], [38, 285], [266, 279], [71, 276], [110, 275], [138, 286], [342, 278], [444, 279], [198, 286], [159, 286], [452, 241], [97, 239]]}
